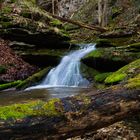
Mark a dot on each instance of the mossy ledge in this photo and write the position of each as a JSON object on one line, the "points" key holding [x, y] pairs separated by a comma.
{"points": [[33, 79], [31, 109], [125, 72], [133, 83]]}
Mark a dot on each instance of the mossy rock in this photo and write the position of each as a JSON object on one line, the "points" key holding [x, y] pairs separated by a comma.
{"points": [[29, 17], [102, 76], [35, 78], [133, 83], [104, 43], [9, 85], [112, 58], [124, 73], [31, 109], [88, 72]]}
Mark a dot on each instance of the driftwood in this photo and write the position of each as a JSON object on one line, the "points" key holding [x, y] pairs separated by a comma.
{"points": [[81, 24], [84, 113]]}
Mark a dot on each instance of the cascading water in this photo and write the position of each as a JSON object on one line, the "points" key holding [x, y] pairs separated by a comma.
{"points": [[67, 73]]}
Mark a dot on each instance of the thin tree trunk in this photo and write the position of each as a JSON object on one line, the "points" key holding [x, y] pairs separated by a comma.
{"points": [[53, 7]]}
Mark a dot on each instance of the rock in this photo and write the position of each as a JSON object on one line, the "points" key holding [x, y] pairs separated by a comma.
{"points": [[88, 72], [117, 34], [31, 25], [125, 73], [104, 43], [112, 58]]}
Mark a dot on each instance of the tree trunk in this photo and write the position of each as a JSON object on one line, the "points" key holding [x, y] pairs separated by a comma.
{"points": [[80, 24], [1, 5], [103, 12]]}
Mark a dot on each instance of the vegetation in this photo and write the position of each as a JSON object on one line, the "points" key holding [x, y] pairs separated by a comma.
{"points": [[31, 109], [35, 78], [10, 85], [30, 35], [125, 72], [102, 76]]}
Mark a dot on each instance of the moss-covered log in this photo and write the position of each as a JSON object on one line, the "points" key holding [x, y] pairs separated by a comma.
{"points": [[68, 117], [10, 85], [33, 79]]}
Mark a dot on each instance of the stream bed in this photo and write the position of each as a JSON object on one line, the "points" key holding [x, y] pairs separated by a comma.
{"points": [[13, 96]]}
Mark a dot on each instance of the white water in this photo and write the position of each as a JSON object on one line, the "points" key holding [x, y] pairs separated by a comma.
{"points": [[67, 73]]}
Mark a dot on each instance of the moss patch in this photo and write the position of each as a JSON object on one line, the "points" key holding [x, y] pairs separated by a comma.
{"points": [[134, 82], [9, 85], [34, 108], [114, 78], [95, 53], [125, 72], [101, 77]]}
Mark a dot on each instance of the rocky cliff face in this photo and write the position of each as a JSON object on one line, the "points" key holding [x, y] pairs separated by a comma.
{"points": [[66, 8]]}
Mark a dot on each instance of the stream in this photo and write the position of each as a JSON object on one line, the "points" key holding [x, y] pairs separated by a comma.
{"points": [[65, 80]]}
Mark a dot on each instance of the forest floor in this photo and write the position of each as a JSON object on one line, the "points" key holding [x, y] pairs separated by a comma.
{"points": [[12, 66]]}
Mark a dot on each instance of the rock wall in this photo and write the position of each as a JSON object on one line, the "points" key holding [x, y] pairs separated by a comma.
{"points": [[66, 8]]}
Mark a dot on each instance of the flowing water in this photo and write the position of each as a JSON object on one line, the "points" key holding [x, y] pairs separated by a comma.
{"points": [[67, 73], [63, 81]]}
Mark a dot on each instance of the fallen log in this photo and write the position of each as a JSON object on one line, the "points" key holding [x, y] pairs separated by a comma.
{"points": [[81, 114], [81, 24]]}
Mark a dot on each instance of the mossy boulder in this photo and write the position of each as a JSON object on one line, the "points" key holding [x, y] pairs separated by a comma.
{"points": [[32, 80], [124, 73], [88, 72], [101, 77], [113, 58], [104, 43]]}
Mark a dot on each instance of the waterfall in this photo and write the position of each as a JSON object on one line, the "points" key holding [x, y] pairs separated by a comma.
{"points": [[67, 73]]}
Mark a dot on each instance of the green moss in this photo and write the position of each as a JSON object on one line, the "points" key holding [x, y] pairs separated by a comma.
{"points": [[9, 85], [95, 53], [33, 79], [125, 72], [101, 77], [34, 108], [134, 82], [115, 78], [56, 23]]}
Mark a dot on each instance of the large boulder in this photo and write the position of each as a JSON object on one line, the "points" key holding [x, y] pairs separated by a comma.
{"points": [[112, 58]]}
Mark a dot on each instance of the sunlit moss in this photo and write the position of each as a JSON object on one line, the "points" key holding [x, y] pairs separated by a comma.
{"points": [[34, 108], [125, 72], [102, 76]]}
